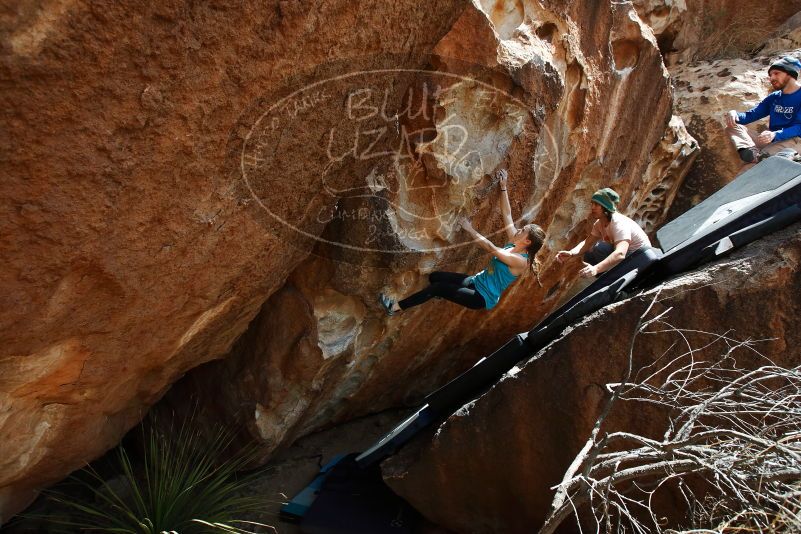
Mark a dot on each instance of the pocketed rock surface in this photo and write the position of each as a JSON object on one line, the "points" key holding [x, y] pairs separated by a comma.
{"points": [[321, 350], [169, 200], [704, 92], [718, 61]]}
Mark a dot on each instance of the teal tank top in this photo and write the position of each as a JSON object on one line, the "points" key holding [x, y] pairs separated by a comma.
{"points": [[493, 281]]}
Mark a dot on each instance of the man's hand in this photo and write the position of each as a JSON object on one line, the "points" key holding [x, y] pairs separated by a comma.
{"points": [[765, 138], [588, 271], [731, 118], [503, 178], [563, 255]]}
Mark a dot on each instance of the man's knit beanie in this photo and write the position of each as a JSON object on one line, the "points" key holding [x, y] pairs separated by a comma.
{"points": [[607, 198], [787, 64]]}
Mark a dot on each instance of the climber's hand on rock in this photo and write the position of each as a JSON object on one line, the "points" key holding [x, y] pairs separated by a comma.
{"points": [[731, 118], [563, 255], [503, 178]]}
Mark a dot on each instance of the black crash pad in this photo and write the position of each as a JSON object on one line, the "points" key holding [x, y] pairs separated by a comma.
{"points": [[354, 500], [487, 371], [750, 189], [760, 201], [397, 437], [606, 289]]}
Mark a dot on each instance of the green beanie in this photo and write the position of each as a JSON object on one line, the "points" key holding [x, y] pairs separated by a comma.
{"points": [[607, 198]]}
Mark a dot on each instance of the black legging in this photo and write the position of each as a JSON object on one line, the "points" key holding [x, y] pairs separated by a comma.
{"points": [[456, 287]]}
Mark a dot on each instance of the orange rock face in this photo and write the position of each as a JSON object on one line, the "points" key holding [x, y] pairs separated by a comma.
{"points": [[132, 251], [710, 29], [188, 182], [565, 105], [490, 466]]}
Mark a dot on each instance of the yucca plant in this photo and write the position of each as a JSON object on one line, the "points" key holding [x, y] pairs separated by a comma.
{"points": [[185, 484]]}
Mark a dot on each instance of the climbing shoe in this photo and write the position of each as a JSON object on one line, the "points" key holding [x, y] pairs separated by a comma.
{"points": [[752, 155], [387, 303]]}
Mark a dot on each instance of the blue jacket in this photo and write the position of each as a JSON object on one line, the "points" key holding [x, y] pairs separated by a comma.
{"points": [[784, 111]]}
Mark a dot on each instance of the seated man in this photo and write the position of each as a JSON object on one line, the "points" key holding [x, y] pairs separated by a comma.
{"points": [[613, 237], [782, 105]]}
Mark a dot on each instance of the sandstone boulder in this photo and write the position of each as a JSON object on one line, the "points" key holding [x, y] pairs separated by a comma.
{"points": [[321, 351], [712, 29], [188, 182], [132, 250], [490, 466], [786, 37]]}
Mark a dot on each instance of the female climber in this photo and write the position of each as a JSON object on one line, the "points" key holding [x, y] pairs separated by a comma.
{"points": [[484, 289]]}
